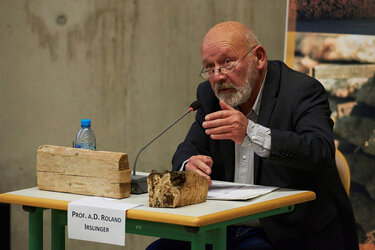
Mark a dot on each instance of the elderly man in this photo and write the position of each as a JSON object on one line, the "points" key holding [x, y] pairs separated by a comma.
{"points": [[263, 123]]}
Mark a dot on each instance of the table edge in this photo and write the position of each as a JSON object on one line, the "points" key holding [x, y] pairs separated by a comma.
{"points": [[171, 218]]}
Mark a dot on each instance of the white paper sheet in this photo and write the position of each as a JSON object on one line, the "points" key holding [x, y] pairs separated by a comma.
{"points": [[236, 191]]}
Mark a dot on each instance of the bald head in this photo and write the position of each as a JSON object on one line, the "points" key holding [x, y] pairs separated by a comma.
{"points": [[234, 33], [234, 62]]}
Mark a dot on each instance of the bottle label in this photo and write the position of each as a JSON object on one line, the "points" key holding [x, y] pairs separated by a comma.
{"points": [[85, 146]]}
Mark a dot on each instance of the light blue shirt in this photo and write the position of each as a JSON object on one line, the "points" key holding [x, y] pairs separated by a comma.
{"points": [[257, 140]]}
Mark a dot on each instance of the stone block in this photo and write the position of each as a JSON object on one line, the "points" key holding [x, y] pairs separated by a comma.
{"points": [[344, 109], [332, 47], [367, 93], [343, 71], [356, 130], [343, 88], [362, 169], [369, 146], [363, 207]]}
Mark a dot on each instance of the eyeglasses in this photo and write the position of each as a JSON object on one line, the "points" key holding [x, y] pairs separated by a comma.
{"points": [[226, 69]]}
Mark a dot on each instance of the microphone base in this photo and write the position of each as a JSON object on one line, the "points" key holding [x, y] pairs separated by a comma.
{"points": [[138, 184]]}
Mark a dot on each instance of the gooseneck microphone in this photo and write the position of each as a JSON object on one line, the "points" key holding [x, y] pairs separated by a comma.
{"points": [[139, 182]]}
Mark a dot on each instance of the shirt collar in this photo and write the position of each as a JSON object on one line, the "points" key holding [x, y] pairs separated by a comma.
{"points": [[256, 105]]}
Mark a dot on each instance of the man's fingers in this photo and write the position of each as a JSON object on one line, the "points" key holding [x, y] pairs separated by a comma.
{"points": [[204, 167], [192, 167], [204, 175], [214, 123], [227, 124], [218, 115], [199, 162], [217, 120], [225, 106], [208, 160], [225, 112], [219, 130]]}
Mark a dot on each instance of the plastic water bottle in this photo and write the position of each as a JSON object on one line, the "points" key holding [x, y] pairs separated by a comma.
{"points": [[85, 138]]}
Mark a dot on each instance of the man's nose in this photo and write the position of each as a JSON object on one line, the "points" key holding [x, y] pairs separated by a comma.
{"points": [[219, 75]]}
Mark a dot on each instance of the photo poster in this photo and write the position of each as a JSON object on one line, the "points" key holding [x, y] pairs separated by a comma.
{"points": [[334, 42]]}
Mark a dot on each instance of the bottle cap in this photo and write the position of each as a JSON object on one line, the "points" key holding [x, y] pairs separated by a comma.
{"points": [[86, 122]]}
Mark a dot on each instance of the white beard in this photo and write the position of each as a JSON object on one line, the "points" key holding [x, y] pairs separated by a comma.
{"points": [[239, 94]]}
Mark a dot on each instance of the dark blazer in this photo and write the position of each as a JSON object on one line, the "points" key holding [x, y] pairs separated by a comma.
{"points": [[295, 107]]}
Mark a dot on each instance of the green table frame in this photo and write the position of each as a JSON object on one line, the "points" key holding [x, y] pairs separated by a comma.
{"points": [[199, 236]]}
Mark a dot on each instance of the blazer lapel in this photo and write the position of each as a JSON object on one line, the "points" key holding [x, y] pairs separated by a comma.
{"points": [[269, 98]]}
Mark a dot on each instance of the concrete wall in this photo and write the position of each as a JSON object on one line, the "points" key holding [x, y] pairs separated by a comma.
{"points": [[130, 66]]}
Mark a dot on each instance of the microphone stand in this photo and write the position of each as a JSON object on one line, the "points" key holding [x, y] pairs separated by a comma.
{"points": [[139, 182]]}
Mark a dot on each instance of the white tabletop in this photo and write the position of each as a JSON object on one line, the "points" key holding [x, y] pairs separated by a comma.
{"points": [[194, 215]]}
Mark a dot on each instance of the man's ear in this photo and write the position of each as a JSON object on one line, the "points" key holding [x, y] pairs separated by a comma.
{"points": [[261, 57]]}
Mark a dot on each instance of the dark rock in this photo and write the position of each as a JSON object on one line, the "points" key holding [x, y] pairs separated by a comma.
{"points": [[367, 93], [344, 146], [363, 207], [369, 146], [345, 109], [357, 130], [362, 169], [363, 110], [340, 109], [344, 87]]}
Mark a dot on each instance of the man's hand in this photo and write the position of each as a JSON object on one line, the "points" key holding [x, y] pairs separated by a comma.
{"points": [[200, 164], [227, 123]]}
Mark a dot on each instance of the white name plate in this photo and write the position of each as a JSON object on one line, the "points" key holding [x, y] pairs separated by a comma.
{"points": [[98, 219]]}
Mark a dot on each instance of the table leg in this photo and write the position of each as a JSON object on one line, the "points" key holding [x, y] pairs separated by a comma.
{"points": [[5, 219], [198, 241], [58, 222], [35, 227], [220, 238]]}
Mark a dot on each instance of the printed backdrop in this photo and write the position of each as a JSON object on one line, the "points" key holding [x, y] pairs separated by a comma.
{"points": [[334, 41]]}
